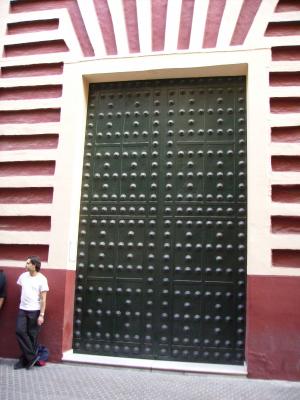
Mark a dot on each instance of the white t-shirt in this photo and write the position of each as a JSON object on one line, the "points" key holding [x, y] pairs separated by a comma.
{"points": [[32, 286]]}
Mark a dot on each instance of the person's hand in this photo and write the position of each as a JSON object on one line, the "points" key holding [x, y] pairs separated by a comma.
{"points": [[40, 320]]}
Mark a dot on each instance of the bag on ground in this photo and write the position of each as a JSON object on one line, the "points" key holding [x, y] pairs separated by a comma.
{"points": [[43, 354]]}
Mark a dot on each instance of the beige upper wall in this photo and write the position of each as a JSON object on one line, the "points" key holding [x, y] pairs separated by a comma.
{"points": [[253, 63], [253, 59]]}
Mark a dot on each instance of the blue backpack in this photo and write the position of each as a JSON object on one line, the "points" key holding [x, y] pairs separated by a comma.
{"points": [[43, 354]]}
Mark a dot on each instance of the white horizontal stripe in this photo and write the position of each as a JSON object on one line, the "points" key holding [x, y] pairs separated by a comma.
{"points": [[285, 178], [281, 271], [32, 37], [28, 104], [36, 15], [31, 59], [284, 66], [22, 237], [291, 209], [289, 149], [44, 128], [31, 81], [286, 241], [26, 181], [63, 56], [284, 120], [284, 91], [28, 155], [275, 41], [285, 16], [25, 209]]}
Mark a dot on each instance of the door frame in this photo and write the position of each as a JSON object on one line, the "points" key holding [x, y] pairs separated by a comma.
{"points": [[254, 64]]}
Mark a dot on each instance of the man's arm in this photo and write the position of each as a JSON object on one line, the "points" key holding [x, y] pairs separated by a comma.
{"points": [[43, 307], [1, 302]]}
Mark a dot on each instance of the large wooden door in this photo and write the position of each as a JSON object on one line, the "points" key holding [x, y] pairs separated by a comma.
{"points": [[162, 237]]}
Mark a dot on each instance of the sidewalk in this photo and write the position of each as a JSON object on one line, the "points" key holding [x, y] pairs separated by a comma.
{"points": [[89, 382]]}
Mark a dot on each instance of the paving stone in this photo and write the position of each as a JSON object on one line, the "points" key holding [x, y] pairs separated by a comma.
{"points": [[82, 382]]}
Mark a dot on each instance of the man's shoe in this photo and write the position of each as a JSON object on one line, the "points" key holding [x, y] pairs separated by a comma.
{"points": [[32, 362], [19, 365]]}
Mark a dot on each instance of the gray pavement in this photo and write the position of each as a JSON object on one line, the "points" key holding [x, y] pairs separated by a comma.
{"points": [[77, 382]]}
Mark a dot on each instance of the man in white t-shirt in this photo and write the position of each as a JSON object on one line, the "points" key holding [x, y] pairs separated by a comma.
{"points": [[31, 311]]}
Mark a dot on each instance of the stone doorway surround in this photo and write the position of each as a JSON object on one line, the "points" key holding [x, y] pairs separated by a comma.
{"points": [[252, 63]]}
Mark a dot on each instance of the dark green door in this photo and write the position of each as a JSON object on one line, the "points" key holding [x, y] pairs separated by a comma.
{"points": [[162, 236]]}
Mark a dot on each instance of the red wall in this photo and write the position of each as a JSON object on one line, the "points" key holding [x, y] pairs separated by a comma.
{"points": [[57, 330], [273, 327], [273, 322]]}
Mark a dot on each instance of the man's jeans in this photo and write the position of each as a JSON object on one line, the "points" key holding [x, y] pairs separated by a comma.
{"points": [[27, 332]]}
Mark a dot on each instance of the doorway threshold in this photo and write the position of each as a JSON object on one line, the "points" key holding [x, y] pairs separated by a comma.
{"points": [[224, 369]]}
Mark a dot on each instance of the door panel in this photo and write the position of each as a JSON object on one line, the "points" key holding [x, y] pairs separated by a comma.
{"points": [[162, 235]]}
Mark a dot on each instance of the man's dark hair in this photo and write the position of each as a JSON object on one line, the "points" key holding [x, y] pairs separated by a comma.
{"points": [[35, 260]]}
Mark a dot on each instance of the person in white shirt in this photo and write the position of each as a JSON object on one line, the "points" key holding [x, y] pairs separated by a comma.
{"points": [[31, 311]]}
